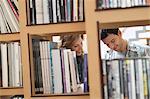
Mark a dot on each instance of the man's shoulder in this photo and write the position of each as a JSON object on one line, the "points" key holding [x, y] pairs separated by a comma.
{"points": [[138, 48]]}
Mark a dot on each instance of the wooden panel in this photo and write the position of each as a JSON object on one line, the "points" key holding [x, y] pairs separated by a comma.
{"points": [[93, 51], [56, 28], [123, 17], [11, 91], [10, 37], [63, 97]]}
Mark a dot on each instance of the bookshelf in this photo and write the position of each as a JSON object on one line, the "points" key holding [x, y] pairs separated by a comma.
{"points": [[119, 17], [41, 29]]}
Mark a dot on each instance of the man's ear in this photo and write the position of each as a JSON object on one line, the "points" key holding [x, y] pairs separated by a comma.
{"points": [[119, 33]]}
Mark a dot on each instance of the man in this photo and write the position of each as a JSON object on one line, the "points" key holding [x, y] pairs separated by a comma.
{"points": [[120, 47]]}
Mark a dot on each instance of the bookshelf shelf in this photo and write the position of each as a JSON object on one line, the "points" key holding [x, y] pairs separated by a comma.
{"points": [[105, 9], [56, 28], [11, 91], [63, 97], [64, 94], [123, 17], [9, 37]]}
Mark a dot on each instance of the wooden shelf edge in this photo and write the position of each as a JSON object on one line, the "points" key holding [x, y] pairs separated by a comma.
{"points": [[124, 24], [64, 94], [63, 97], [120, 8], [11, 91], [56, 28], [9, 37], [124, 17]]}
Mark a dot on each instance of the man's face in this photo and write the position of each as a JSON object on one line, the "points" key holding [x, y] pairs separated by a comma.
{"points": [[114, 42]]}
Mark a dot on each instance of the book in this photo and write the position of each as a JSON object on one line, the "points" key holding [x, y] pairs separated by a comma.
{"points": [[56, 60]]}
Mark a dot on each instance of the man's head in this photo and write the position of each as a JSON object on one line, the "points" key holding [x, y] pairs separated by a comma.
{"points": [[113, 39]]}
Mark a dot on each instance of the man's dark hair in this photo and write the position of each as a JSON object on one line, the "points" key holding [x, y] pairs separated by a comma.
{"points": [[106, 32]]}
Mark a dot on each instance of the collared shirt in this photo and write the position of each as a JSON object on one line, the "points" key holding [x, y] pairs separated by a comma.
{"points": [[133, 50], [137, 50]]}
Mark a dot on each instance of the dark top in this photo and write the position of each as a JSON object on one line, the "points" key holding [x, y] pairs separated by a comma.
{"points": [[80, 62]]}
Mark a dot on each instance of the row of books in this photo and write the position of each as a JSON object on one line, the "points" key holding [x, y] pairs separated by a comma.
{"points": [[13, 97], [55, 11], [10, 65], [104, 4], [126, 78], [9, 16], [56, 70]]}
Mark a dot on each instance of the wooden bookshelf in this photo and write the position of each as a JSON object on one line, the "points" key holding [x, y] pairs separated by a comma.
{"points": [[105, 18]]}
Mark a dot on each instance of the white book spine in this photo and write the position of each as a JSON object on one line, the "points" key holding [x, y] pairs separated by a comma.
{"points": [[4, 65], [116, 80], [57, 71], [67, 72], [123, 3], [54, 11], [46, 11], [136, 2], [16, 59], [140, 2], [141, 84], [133, 91], [39, 11], [129, 3], [115, 4], [12, 63], [42, 67], [2, 23], [47, 72], [72, 72]]}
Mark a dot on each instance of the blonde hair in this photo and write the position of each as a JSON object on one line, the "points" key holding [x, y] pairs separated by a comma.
{"points": [[68, 40]]}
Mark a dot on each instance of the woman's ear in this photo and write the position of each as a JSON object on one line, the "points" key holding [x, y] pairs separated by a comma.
{"points": [[119, 33]]}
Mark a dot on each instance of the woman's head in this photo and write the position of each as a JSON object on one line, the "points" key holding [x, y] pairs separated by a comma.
{"points": [[73, 42]]}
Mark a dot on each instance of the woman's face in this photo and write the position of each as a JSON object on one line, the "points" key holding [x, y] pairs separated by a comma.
{"points": [[77, 46]]}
